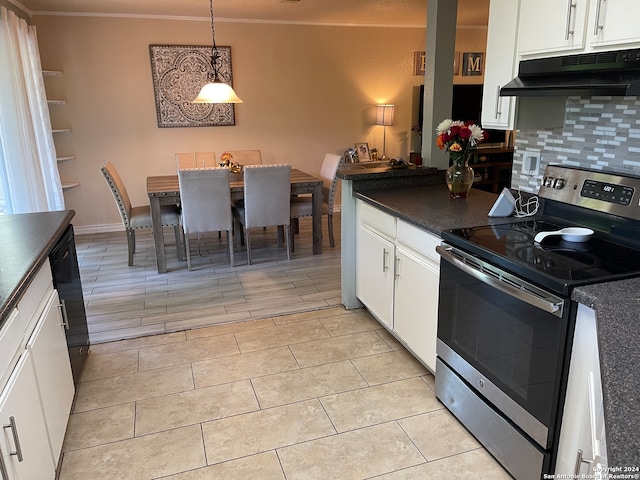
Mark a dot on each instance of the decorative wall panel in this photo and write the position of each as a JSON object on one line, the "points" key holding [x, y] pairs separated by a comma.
{"points": [[179, 72]]}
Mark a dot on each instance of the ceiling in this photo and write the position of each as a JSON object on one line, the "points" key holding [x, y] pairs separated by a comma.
{"points": [[406, 13]]}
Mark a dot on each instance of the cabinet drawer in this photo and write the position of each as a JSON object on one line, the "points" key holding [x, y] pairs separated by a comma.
{"points": [[418, 239], [34, 299], [377, 219]]}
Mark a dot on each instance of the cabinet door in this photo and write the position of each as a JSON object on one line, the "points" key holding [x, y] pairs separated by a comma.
{"points": [[48, 349], [500, 64], [416, 305], [609, 24], [20, 401], [583, 428], [548, 26], [374, 274]]}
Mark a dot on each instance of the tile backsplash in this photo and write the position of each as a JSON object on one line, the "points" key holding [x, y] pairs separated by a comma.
{"points": [[598, 133]]}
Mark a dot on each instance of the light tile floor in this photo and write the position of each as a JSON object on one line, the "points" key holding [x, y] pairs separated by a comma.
{"points": [[249, 373], [326, 394]]}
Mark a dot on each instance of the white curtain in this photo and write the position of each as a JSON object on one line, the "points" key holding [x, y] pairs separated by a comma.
{"points": [[29, 180]]}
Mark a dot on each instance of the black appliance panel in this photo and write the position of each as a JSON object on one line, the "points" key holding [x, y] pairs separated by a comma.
{"points": [[555, 264], [66, 279]]}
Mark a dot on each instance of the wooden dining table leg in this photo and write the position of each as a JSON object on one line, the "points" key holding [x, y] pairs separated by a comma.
{"points": [[316, 211], [158, 234]]}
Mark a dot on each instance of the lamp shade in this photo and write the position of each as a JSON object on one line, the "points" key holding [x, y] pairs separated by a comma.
{"points": [[384, 114], [217, 92]]}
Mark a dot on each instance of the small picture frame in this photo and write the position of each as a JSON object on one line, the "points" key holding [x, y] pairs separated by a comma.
{"points": [[362, 149]]}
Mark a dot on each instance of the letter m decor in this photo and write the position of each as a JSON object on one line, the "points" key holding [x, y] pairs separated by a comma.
{"points": [[472, 63]]}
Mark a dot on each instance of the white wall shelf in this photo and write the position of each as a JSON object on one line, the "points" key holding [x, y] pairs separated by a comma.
{"points": [[63, 158], [68, 185], [56, 102]]}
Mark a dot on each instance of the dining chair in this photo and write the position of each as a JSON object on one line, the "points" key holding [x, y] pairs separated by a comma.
{"points": [[135, 218], [267, 194], [303, 206], [246, 157], [195, 160], [205, 197]]}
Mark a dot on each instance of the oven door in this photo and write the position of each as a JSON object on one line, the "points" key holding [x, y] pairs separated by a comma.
{"points": [[506, 338]]}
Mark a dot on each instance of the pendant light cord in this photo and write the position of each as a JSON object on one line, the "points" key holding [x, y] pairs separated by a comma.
{"points": [[215, 56]]}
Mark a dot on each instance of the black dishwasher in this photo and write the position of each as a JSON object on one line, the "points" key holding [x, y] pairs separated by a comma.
{"points": [[66, 279]]}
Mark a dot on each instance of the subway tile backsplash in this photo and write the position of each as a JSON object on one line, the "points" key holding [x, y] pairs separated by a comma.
{"points": [[599, 133]]}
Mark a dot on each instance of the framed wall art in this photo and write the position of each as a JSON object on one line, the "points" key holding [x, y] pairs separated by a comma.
{"points": [[362, 149], [179, 71]]}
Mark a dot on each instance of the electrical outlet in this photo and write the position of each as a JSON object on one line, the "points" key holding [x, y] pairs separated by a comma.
{"points": [[530, 162]]}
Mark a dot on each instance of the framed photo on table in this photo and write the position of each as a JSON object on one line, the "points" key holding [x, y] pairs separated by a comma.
{"points": [[362, 149]]}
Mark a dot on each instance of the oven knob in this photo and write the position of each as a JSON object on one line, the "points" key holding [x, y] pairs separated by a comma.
{"points": [[481, 383], [548, 181], [559, 184]]}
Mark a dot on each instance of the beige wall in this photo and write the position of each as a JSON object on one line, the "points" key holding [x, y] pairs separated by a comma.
{"points": [[307, 90]]}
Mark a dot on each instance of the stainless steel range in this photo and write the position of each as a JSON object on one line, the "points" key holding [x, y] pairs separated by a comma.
{"points": [[506, 319]]}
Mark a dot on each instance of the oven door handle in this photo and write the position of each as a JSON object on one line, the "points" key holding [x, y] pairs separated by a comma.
{"points": [[548, 303]]}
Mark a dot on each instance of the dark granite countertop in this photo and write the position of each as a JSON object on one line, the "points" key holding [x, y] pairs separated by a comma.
{"points": [[431, 208], [27, 240], [615, 303]]}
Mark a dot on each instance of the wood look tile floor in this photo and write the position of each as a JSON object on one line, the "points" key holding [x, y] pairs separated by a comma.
{"points": [[321, 393]]}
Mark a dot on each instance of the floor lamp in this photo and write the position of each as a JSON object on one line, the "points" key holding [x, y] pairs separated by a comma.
{"points": [[384, 117]]}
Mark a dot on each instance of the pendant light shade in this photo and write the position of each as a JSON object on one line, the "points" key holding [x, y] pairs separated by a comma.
{"points": [[216, 90]]}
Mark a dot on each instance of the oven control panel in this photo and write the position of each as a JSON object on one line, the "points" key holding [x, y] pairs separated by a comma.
{"points": [[604, 192]]}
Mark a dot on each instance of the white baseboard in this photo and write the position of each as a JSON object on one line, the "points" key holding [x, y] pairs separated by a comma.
{"points": [[91, 229]]}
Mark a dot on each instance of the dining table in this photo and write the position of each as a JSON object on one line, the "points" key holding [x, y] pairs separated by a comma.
{"points": [[165, 190]]}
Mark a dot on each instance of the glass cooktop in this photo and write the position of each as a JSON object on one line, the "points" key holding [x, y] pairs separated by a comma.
{"points": [[555, 263]]}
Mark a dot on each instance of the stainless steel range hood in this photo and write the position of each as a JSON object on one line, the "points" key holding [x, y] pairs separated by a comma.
{"points": [[613, 73]]}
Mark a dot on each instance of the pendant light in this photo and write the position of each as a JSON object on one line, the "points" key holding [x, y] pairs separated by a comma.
{"points": [[216, 90]]}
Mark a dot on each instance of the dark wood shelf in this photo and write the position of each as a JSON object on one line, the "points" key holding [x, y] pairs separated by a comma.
{"points": [[495, 168]]}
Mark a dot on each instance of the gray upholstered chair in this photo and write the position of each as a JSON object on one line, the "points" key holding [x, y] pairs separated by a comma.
{"points": [[134, 218], [267, 197], [246, 157], [302, 206], [195, 160], [205, 197]]}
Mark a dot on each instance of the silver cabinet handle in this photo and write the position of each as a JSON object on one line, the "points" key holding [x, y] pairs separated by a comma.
{"points": [[3, 467], [498, 112], [65, 317], [397, 267], [16, 440], [570, 6], [385, 255], [579, 461], [597, 27]]}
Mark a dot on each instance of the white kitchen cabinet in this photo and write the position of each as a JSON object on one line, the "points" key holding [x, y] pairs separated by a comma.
{"points": [[548, 26], [501, 65], [24, 430], [609, 24], [576, 26], [374, 263], [50, 357], [37, 387], [397, 278], [582, 434]]}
